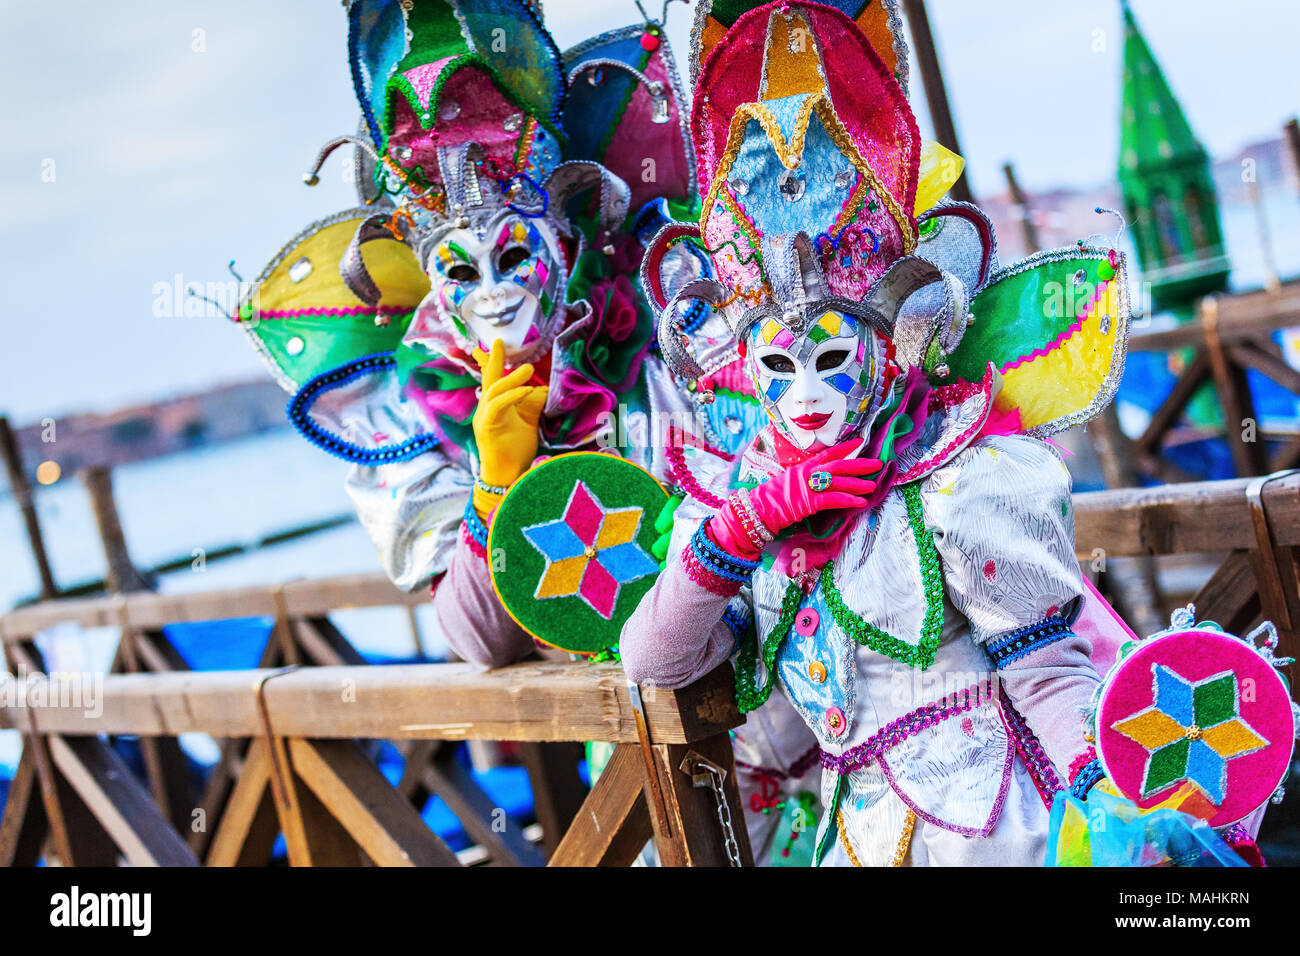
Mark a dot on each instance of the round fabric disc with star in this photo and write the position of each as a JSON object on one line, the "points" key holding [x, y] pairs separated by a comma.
{"points": [[570, 547], [1198, 713]]}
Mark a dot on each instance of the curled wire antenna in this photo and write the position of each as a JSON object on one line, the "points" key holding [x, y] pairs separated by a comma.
{"points": [[1123, 223], [192, 293], [312, 176]]}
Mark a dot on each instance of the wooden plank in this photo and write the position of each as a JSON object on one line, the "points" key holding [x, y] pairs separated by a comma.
{"points": [[24, 826], [246, 832], [613, 823], [1266, 361], [221, 781], [315, 837], [1241, 316], [537, 700], [1193, 518], [1233, 390], [558, 790], [76, 836], [121, 805], [307, 598], [484, 821], [694, 835], [352, 788], [154, 652]]}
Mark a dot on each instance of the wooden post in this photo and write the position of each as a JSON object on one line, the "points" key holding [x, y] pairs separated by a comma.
{"points": [[1234, 396], [122, 576], [1027, 227], [22, 493], [1293, 138], [935, 94]]}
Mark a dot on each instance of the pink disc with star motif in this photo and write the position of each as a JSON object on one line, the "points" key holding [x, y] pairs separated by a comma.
{"points": [[1200, 714], [571, 548]]}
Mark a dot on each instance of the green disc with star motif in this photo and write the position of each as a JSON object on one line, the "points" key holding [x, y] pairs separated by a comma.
{"points": [[570, 548]]}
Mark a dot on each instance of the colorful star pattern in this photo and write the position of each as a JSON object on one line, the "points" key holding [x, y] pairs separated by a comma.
{"points": [[1190, 732], [590, 551]]}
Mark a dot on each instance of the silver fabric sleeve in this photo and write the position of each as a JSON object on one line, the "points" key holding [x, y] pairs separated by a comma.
{"points": [[1004, 527]]}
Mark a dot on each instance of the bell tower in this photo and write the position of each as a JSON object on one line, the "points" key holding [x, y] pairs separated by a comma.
{"points": [[1169, 194]]}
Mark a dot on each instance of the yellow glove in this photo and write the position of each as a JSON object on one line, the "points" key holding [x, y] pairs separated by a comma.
{"points": [[505, 426]]}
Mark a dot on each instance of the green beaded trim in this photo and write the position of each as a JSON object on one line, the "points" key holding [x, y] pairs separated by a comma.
{"points": [[881, 641], [749, 696]]}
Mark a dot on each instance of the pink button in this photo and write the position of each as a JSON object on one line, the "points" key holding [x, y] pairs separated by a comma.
{"points": [[835, 722], [805, 622]]}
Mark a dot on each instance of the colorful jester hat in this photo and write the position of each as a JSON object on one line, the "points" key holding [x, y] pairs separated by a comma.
{"points": [[819, 206], [808, 158], [462, 100]]}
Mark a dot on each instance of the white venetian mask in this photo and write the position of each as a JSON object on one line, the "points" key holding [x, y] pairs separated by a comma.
{"points": [[818, 387], [497, 283]]}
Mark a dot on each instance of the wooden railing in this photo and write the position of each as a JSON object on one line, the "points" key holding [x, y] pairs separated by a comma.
{"points": [[294, 759], [1230, 336]]}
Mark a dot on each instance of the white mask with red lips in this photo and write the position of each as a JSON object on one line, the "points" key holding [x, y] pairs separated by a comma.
{"points": [[498, 282], [819, 387]]}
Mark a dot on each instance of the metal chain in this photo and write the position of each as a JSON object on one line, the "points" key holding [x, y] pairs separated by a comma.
{"points": [[724, 812]]}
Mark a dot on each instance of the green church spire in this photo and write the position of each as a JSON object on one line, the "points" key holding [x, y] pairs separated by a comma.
{"points": [[1164, 173]]}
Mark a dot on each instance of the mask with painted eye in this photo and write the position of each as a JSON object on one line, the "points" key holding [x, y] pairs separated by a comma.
{"points": [[822, 386], [496, 283]]}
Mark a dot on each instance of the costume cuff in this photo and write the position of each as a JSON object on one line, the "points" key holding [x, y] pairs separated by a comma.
{"points": [[474, 531], [714, 568], [1010, 647], [1085, 773]]}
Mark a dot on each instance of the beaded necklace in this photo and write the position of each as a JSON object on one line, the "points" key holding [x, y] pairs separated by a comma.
{"points": [[749, 696]]}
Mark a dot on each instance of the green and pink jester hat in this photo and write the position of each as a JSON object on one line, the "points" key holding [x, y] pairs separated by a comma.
{"points": [[849, 283], [463, 102]]}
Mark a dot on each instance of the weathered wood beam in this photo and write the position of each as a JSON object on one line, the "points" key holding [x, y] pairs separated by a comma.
{"points": [[24, 826], [246, 832], [613, 823], [310, 598], [121, 805], [537, 700], [484, 821], [386, 827], [1192, 518], [558, 790], [1240, 316], [694, 835]]}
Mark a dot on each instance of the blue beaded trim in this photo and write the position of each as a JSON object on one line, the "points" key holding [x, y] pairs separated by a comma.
{"points": [[740, 623], [1015, 645], [1090, 775], [300, 408], [718, 561], [475, 526]]}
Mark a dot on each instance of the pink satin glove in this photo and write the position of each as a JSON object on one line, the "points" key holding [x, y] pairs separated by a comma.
{"points": [[788, 498]]}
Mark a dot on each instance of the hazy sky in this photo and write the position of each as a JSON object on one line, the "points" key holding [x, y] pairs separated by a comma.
{"points": [[149, 140]]}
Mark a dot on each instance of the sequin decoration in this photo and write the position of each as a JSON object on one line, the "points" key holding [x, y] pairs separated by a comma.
{"points": [[1190, 732], [590, 551]]}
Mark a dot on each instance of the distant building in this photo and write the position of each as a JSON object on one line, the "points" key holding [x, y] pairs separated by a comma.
{"points": [[1169, 194]]}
